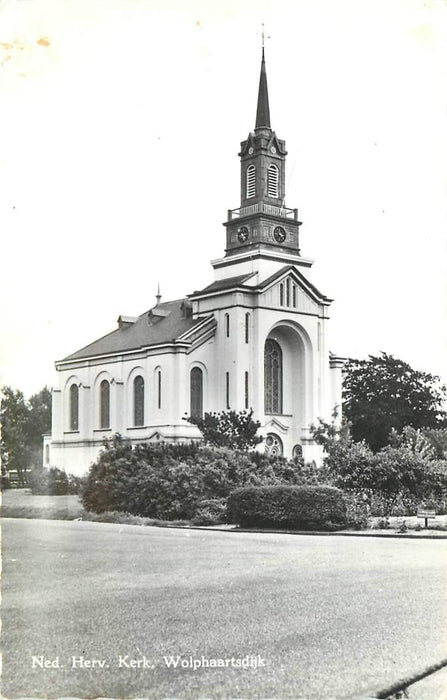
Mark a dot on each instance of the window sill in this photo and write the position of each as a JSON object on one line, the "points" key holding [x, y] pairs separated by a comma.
{"points": [[102, 430], [280, 415], [71, 432], [138, 427]]}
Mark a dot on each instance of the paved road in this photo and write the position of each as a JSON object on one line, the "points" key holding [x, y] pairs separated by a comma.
{"points": [[330, 617]]}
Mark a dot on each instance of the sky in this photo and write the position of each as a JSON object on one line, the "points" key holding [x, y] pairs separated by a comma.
{"points": [[120, 129]]}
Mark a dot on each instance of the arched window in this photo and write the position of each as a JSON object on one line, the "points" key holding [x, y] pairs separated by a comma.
{"points": [[246, 389], [104, 405], [272, 181], [227, 325], [272, 377], [251, 181], [159, 388], [247, 328], [138, 401], [281, 294], [74, 407], [196, 392]]}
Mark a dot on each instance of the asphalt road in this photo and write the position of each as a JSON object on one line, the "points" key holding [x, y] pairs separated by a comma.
{"points": [[328, 616]]}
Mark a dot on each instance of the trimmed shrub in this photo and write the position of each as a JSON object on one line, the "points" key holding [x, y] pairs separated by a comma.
{"points": [[290, 507], [169, 480]]}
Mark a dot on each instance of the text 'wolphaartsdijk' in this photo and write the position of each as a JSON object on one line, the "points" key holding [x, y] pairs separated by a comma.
{"points": [[204, 662]]}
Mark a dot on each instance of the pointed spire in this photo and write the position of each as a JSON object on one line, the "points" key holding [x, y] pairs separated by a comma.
{"points": [[263, 111], [158, 295]]}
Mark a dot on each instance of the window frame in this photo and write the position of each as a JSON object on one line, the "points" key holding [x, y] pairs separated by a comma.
{"points": [[138, 401]]}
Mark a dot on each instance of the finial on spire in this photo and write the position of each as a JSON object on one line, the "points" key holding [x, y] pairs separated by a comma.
{"points": [[158, 295], [263, 110]]}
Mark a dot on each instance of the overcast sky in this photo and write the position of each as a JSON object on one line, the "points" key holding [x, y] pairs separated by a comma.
{"points": [[120, 128]]}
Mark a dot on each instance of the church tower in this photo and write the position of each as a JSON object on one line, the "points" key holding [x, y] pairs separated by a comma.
{"points": [[262, 227]]}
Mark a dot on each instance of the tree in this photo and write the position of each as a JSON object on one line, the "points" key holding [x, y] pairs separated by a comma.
{"points": [[22, 425], [233, 429], [38, 423], [13, 418], [383, 393]]}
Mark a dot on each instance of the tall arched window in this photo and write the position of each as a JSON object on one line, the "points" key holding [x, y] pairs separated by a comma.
{"points": [[159, 388], [74, 407], [196, 391], [138, 401], [272, 377], [272, 181], [227, 325], [251, 181], [104, 405], [247, 328]]}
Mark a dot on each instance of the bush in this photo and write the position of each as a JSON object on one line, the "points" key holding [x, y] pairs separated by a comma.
{"points": [[53, 482], [210, 512], [357, 511], [169, 480], [291, 507]]}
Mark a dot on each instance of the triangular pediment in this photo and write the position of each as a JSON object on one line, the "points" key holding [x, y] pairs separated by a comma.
{"points": [[288, 288], [275, 424]]}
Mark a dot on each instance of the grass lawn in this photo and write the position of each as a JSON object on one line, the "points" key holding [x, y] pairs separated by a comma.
{"points": [[21, 503]]}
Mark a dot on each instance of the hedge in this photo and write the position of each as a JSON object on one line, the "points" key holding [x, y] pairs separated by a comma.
{"points": [[171, 481], [289, 507]]}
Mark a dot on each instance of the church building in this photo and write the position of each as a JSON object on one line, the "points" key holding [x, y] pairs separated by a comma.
{"points": [[255, 337]]}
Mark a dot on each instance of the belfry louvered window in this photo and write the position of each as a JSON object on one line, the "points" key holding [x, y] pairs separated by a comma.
{"points": [[272, 181], [272, 377], [251, 181]]}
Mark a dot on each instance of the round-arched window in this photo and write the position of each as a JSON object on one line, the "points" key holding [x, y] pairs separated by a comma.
{"points": [[138, 400], [196, 392], [74, 407], [104, 405], [272, 377]]}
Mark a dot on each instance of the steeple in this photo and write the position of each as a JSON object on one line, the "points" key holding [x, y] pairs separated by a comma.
{"points": [[263, 111], [263, 225]]}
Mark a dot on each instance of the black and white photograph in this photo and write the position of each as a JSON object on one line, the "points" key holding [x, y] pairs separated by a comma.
{"points": [[223, 402]]}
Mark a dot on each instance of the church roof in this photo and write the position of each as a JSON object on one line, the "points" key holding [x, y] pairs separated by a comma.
{"points": [[167, 323], [227, 283], [239, 280]]}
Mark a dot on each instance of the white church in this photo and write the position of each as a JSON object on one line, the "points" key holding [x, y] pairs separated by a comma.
{"points": [[256, 337]]}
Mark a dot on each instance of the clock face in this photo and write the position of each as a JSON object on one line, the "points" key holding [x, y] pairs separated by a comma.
{"points": [[250, 150], [279, 234], [272, 149], [242, 234]]}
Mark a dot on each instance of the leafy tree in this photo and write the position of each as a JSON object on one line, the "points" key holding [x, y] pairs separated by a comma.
{"points": [[383, 393], [407, 472], [22, 425], [13, 418], [233, 429], [38, 423]]}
